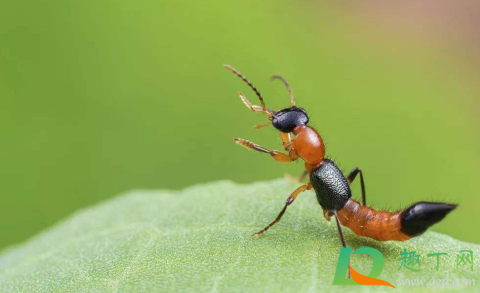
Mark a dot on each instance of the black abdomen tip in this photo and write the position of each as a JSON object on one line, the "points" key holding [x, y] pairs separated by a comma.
{"points": [[422, 215]]}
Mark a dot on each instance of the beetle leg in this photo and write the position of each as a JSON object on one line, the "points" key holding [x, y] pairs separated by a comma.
{"points": [[342, 238], [350, 179], [327, 215], [289, 201], [288, 145], [296, 179], [286, 140], [276, 155]]}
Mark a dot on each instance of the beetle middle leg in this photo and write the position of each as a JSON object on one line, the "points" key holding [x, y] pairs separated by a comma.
{"points": [[276, 155], [289, 201], [350, 179], [298, 179]]}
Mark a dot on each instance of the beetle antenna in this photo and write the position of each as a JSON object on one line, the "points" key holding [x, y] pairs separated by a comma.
{"points": [[256, 108], [237, 73], [290, 91]]}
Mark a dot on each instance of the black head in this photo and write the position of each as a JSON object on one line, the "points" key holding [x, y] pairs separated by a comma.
{"points": [[284, 120], [287, 119]]}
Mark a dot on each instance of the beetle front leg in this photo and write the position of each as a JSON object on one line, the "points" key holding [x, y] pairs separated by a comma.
{"points": [[276, 155]]}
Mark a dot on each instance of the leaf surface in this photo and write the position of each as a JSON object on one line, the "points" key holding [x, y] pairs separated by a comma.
{"points": [[198, 240]]}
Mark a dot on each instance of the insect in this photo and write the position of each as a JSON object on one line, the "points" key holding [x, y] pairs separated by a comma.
{"points": [[332, 188]]}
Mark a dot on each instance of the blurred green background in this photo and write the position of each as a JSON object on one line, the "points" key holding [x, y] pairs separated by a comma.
{"points": [[101, 97]]}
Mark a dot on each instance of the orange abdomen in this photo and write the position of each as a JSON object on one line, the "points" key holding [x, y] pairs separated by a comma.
{"points": [[365, 221]]}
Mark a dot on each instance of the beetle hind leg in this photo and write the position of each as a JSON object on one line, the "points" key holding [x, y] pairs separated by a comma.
{"points": [[342, 238]]}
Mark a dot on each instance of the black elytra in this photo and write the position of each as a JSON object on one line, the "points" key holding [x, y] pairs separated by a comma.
{"points": [[330, 186]]}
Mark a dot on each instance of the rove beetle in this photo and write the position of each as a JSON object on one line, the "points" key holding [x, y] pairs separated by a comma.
{"points": [[330, 185]]}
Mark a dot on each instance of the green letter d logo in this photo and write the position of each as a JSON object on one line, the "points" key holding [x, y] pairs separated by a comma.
{"points": [[357, 278]]}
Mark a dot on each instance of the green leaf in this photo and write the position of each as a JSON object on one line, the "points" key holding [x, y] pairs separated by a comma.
{"points": [[198, 240]]}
